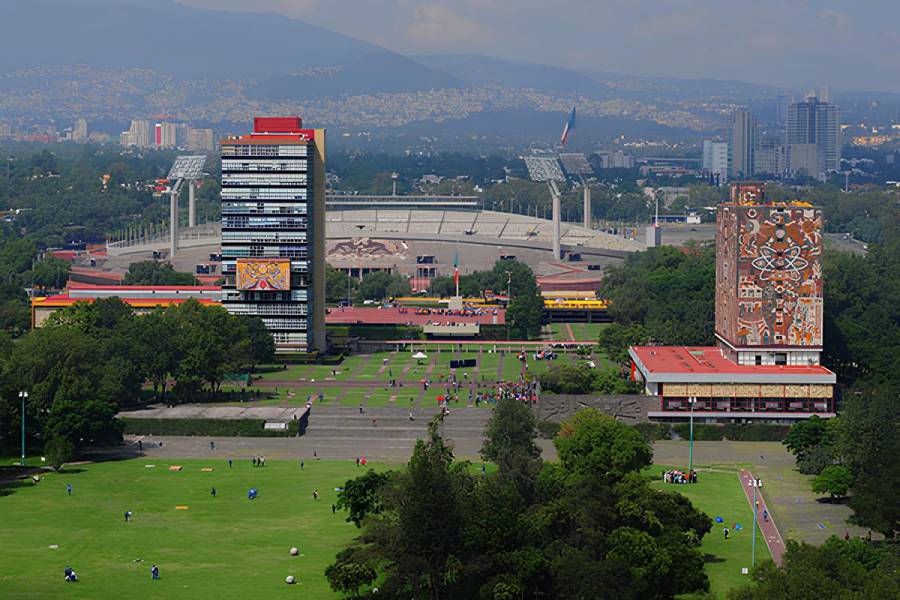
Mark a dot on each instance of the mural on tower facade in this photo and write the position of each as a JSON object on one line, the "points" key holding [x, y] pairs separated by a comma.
{"points": [[769, 275]]}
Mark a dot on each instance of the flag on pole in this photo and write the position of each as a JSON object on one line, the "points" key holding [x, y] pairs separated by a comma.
{"points": [[456, 271], [570, 125]]}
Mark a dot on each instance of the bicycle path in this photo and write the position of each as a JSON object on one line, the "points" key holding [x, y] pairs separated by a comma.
{"points": [[769, 530]]}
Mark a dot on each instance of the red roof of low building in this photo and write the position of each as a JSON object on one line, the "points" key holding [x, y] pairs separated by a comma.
{"points": [[393, 316], [709, 363], [125, 288]]}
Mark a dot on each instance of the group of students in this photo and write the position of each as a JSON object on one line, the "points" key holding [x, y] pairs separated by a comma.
{"points": [[675, 476], [72, 577]]}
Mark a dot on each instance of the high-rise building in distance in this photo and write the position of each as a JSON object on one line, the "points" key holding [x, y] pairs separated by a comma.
{"points": [[200, 140], [715, 159], [137, 135], [165, 135], [273, 230], [816, 123], [743, 144], [80, 131], [782, 103], [769, 157]]}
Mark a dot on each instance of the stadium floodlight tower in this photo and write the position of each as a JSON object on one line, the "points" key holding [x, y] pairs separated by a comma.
{"points": [[189, 169], [557, 217]]}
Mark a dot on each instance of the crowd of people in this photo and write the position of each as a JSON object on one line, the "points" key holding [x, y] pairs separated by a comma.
{"points": [[675, 476]]}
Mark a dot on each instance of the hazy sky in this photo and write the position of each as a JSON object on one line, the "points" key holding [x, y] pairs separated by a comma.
{"points": [[852, 44]]}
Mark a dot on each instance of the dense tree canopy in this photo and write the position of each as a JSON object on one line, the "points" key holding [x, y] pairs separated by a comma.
{"points": [[525, 311], [670, 292], [836, 570], [151, 272], [381, 285], [589, 527], [92, 358]]}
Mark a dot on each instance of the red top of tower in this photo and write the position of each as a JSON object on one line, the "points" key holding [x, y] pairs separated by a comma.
{"points": [[277, 125]]}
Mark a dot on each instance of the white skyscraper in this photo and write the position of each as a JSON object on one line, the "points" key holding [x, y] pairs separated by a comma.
{"points": [[715, 159]]}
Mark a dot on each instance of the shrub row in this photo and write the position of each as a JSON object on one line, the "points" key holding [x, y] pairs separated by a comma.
{"points": [[206, 427], [751, 432], [386, 332]]}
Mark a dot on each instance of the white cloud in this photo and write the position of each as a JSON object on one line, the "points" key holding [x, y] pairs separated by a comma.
{"points": [[439, 27]]}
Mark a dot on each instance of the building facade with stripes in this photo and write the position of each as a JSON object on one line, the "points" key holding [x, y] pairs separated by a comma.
{"points": [[273, 230]]}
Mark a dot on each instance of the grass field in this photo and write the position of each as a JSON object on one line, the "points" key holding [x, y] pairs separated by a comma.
{"points": [[719, 494], [226, 547], [229, 546]]}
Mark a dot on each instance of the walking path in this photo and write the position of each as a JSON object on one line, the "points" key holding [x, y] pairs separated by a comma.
{"points": [[769, 531]]}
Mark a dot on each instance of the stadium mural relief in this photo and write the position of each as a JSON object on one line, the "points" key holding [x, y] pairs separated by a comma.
{"points": [[367, 248], [769, 256]]}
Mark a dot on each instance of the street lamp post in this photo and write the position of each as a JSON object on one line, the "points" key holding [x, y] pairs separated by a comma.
{"points": [[756, 483], [692, 401], [22, 397]]}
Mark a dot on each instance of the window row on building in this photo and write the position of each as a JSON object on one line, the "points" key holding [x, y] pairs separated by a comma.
{"points": [[263, 151], [243, 166], [284, 222], [264, 237], [257, 193], [267, 179]]}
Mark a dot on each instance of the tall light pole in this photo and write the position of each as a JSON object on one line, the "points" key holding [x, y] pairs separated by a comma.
{"points": [[22, 397], [692, 401], [756, 483]]}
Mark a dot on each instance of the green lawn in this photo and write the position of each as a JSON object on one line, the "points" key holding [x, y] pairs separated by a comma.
{"points": [[719, 494], [226, 546], [229, 538]]}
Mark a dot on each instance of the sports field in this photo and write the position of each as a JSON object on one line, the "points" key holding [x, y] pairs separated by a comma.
{"points": [[228, 546], [719, 494], [224, 547]]}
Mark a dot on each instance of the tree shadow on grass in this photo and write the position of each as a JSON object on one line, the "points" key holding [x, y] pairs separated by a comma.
{"points": [[712, 558], [833, 501], [10, 487]]}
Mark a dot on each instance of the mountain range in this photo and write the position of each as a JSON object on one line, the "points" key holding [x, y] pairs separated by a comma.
{"points": [[112, 60]]}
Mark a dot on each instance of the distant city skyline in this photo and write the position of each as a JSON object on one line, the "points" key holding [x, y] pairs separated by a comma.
{"points": [[795, 43]]}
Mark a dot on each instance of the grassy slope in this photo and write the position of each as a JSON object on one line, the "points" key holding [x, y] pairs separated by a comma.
{"points": [[719, 494]]}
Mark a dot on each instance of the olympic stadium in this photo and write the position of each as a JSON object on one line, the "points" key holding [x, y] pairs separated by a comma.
{"points": [[416, 236]]}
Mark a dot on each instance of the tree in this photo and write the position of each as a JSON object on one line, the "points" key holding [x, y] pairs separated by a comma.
{"points": [[381, 285], [562, 378], [338, 285], [869, 441], [837, 569], [815, 459], [151, 272], [616, 339], [835, 480], [593, 442], [59, 450], [51, 273], [350, 571], [669, 291], [509, 441], [525, 313], [261, 344], [361, 495], [805, 434]]}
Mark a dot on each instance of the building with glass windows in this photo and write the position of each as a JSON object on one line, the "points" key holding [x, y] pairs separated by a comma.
{"points": [[273, 230]]}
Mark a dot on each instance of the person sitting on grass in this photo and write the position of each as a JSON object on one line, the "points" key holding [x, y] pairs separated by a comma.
{"points": [[70, 574]]}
